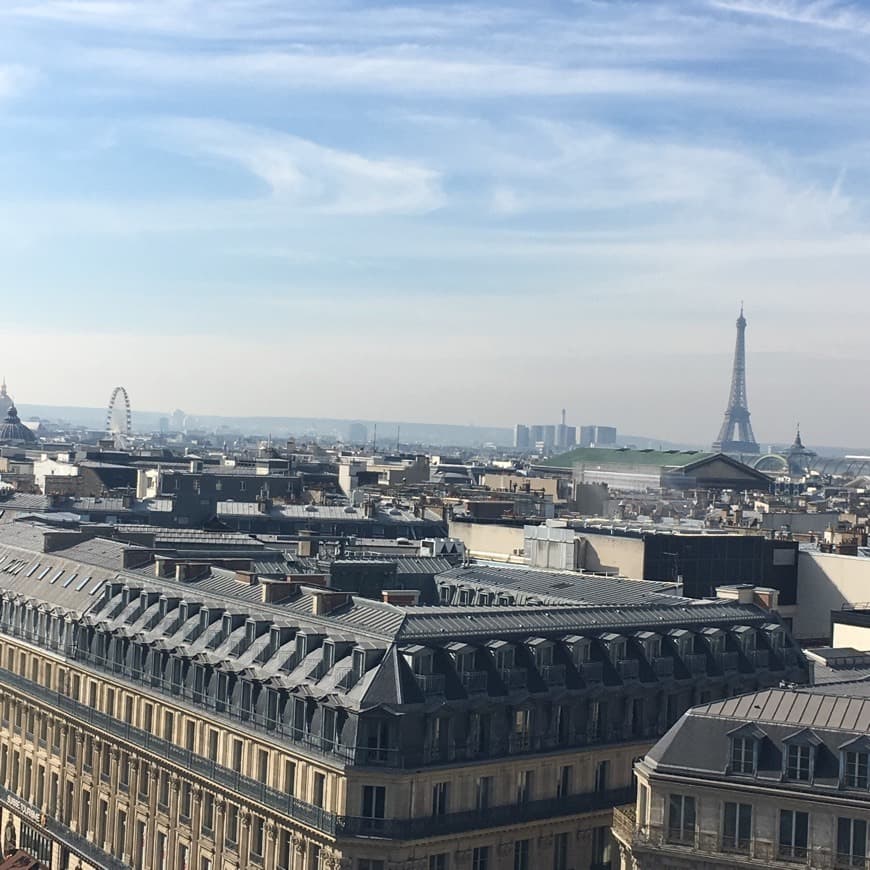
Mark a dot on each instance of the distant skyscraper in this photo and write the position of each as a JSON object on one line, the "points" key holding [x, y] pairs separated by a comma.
{"points": [[521, 436], [587, 436], [536, 434], [549, 436], [163, 423], [736, 434], [605, 436]]}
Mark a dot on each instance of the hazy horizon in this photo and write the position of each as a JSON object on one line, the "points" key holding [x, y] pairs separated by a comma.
{"points": [[469, 213]]}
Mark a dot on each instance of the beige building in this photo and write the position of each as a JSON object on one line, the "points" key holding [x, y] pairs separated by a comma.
{"points": [[211, 721], [777, 778]]}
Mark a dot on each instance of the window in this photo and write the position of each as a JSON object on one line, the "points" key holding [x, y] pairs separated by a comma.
{"points": [[319, 789], [290, 777], [601, 847], [742, 755], [525, 781], [855, 769], [232, 825], [190, 734], [440, 792], [263, 766], [560, 852], [521, 855], [257, 836], [373, 799], [438, 862], [480, 858], [736, 827], [207, 812], [793, 829], [797, 765], [484, 792], [563, 783], [681, 819], [185, 800], [212, 744], [237, 756], [601, 775], [851, 843]]}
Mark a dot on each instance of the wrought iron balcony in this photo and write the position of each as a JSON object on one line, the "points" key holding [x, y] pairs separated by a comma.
{"points": [[554, 675], [628, 669], [430, 684], [592, 672], [474, 682], [728, 661], [491, 817], [514, 678], [760, 658], [663, 666], [696, 663]]}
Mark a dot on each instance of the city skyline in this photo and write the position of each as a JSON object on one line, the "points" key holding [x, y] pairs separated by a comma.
{"points": [[571, 199]]}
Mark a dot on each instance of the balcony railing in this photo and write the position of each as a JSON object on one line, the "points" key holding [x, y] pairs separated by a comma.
{"points": [[628, 669], [474, 682], [728, 661], [491, 817], [663, 666], [431, 684], [845, 859], [514, 678], [739, 845], [788, 852], [592, 672], [696, 663], [760, 658], [554, 675]]}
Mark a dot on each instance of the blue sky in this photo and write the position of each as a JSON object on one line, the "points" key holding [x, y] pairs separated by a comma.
{"points": [[456, 212]]}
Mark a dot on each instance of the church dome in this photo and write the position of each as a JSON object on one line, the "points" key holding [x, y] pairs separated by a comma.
{"points": [[13, 431]]}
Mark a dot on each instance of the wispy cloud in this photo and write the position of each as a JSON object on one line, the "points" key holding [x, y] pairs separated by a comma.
{"points": [[15, 79], [309, 175], [828, 14]]}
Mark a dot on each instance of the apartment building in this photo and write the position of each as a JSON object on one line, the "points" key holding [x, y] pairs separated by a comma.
{"points": [[776, 778], [213, 721]]}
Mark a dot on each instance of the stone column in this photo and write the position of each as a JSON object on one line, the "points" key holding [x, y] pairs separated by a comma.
{"points": [[174, 789], [220, 820], [113, 798], [153, 774], [133, 786], [195, 820], [271, 838], [245, 837], [300, 847]]}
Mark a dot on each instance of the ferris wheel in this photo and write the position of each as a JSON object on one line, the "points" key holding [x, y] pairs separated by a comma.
{"points": [[118, 417]]}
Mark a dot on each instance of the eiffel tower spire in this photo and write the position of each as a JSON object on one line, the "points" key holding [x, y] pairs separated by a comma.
{"points": [[736, 436]]}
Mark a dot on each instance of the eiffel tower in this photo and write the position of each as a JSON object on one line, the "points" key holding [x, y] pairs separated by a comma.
{"points": [[736, 436]]}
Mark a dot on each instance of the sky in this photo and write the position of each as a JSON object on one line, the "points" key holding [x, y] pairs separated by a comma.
{"points": [[461, 213]]}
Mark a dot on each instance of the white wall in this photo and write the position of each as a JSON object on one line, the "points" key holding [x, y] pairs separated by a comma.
{"points": [[827, 581]]}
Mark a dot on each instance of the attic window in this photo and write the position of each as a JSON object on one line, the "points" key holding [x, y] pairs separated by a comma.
{"points": [[798, 762], [359, 664], [744, 754]]}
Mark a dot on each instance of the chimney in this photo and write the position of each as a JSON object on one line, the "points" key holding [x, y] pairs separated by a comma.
{"points": [[187, 571], [742, 593], [324, 601], [195, 466], [133, 557], [308, 547], [164, 567], [246, 578], [277, 590], [401, 597]]}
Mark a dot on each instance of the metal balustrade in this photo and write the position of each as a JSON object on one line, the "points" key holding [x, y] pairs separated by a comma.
{"points": [[663, 666], [514, 678], [592, 672], [553, 675], [628, 669], [474, 682]]}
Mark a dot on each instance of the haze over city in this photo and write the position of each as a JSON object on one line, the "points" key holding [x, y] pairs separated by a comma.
{"points": [[461, 213]]}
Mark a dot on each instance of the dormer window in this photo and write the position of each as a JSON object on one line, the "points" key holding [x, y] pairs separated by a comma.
{"points": [[745, 745], [651, 643], [543, 652], [775, 635], [742, 755], [359, 664], [203, 618], [226, 625], [615, 647], [250, 632], [855, 763], [799, 755], [797, 764], [328, 655]]}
